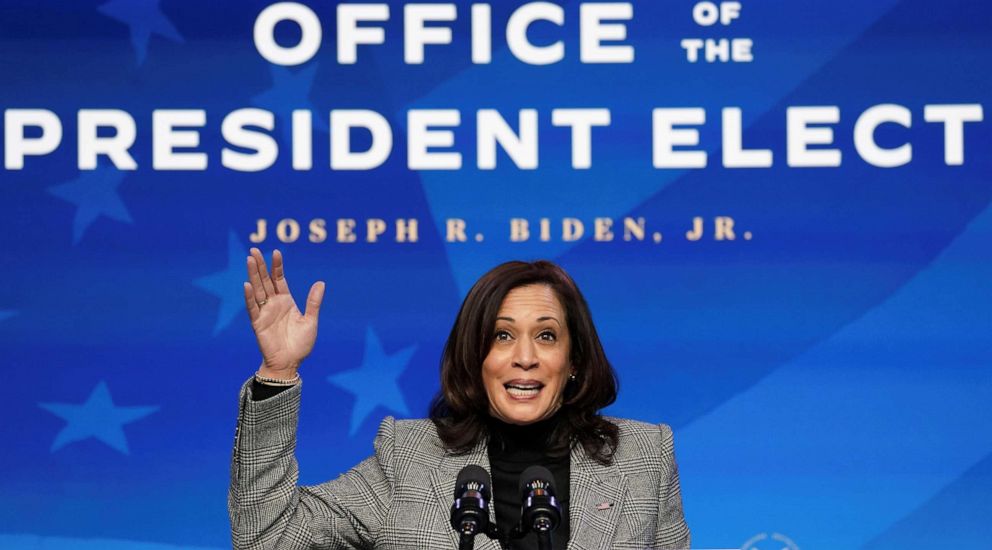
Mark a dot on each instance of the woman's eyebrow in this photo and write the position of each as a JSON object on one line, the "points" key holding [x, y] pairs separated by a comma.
{"points": [[539, 319], [546, 318]]}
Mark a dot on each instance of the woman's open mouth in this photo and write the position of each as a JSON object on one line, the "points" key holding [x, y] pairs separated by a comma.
{"points": [[523, 389]]}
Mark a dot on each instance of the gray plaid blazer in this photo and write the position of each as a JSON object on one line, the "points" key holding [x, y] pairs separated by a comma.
{"points": [[401, 496]]}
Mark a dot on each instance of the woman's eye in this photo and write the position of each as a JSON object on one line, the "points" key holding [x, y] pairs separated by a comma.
{"points": [[502, 335], [548, 336]]}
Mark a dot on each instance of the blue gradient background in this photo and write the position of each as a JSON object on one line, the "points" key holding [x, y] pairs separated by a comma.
{"points": [[828, 380]]}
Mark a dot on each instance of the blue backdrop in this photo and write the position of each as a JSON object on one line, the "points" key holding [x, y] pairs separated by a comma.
{"points": [[825, 364]]}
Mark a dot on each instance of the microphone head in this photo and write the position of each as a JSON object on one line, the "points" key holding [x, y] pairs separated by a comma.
{"points": [[473, 477], [536, 477], [470, 509], [540, 511]]}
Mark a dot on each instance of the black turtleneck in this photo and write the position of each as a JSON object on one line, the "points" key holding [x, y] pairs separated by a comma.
{"points": [[512, 449]]}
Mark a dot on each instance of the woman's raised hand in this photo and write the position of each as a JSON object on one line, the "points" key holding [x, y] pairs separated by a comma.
{"points": [[285, 336]]}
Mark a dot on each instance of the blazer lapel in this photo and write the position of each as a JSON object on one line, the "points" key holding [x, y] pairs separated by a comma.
{"points": [[443, 481], [597, 493]]}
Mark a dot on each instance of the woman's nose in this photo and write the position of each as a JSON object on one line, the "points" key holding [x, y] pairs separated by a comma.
{"points": [[524, 355]]}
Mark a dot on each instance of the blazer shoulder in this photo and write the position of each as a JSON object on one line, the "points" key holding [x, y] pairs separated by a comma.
{"points": [[636, 428], [642, 441], [410, 438], [413, 427]]}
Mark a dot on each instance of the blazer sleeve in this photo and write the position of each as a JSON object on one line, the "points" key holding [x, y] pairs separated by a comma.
{"points": [[672, 531], [269, 510]]}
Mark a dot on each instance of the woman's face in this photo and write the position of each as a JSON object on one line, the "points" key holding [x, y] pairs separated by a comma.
{"points": [[527, 367]]}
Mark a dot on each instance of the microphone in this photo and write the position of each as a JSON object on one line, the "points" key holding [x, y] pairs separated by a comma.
{"points": [[470, 511], [540, 512]]}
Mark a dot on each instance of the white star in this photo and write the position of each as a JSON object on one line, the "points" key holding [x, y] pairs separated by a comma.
{"points": [[97, 417], [143, 18], [94, 193], [227, 284], [375, 383], [290, 91]]}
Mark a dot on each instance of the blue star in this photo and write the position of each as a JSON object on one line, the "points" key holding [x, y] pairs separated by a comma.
{"points": [[6, 314], [227, 284], [289, 91], [375, 383], [97, 417], [94, 193], [144, 18]]}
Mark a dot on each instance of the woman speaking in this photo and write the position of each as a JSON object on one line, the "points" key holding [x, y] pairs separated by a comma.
{"points": [[523, 378]]}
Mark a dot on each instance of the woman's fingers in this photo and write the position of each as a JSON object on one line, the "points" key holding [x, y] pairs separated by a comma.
{"points": [[250, 303], [279, 273], [258, 290], [263, 272], [314, 298]]}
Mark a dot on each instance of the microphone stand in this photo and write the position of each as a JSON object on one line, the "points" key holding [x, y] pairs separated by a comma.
{"points": [[466, 540], [467, 531], [542, 530], [542, 527]]}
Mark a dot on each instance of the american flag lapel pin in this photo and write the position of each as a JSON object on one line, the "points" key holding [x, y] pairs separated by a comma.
{"points": [[603, 506]]}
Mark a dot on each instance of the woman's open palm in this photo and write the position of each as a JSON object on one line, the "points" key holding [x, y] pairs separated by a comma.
{"points": [[285, 336]]}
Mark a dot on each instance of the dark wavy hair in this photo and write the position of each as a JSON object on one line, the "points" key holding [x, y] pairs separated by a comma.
{"points": [[461, 408]]}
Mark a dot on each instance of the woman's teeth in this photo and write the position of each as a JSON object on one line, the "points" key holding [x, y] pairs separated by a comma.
{"points": [[523, 391]]}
